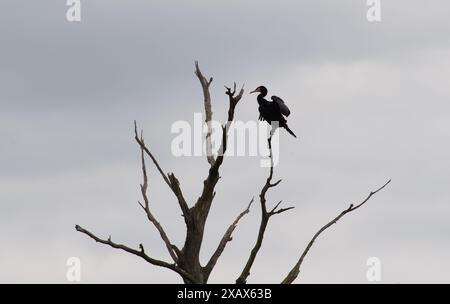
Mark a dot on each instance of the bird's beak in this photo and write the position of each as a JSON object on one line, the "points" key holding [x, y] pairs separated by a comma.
{"points": [[255, 91]]}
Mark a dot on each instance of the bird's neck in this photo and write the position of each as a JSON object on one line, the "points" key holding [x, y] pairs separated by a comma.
{"points": [[261, 99]]}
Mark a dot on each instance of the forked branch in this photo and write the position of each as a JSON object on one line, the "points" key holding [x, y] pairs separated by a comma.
{"points": [[203, 204], [265, 217], [233, 102], [172, 249], [170, 179]]}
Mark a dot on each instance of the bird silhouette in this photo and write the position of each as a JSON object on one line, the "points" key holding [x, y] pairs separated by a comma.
{"points": [[272, 111]]}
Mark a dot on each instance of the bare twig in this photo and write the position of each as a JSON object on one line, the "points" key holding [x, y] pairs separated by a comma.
{"points": [[172, 249], [225, 239], [233, 101], [170, 179], [265, 217], [293, 274], [275, 209], [147, 151], [140, 253], [208, 111]]}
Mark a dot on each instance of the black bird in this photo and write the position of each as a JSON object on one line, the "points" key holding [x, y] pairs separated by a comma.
{"points": [[274, 110]]}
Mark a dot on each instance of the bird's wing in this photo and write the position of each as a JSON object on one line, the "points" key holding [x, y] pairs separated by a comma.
{"points": [[283, 107]]}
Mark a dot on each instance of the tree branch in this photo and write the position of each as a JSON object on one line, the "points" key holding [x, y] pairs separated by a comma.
{"points": [[204, 202], [293, 274], [170, 179], [199, 213], [275, 210], [140, 253], [147, 151], [175, 186], [265, 217], [223, 243], [172, 249], [233, 101], [208, 111]]}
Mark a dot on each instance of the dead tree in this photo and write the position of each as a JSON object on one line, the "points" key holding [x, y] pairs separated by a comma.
{"points": [[186, 261]]}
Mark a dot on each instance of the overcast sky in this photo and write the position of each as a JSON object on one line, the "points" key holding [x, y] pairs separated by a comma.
{"points": [[369, 102]]}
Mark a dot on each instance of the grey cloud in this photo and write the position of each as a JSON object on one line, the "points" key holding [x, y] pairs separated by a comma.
{"points": [[369, 102]]}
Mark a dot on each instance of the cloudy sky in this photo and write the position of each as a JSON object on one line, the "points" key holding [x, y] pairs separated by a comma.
{"points": [[369, 101]]}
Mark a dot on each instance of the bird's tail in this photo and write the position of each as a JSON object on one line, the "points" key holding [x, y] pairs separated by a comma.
{"points": [[289, 131]]}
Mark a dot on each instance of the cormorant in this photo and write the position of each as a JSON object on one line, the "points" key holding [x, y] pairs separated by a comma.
{"points": [[274, 110]]}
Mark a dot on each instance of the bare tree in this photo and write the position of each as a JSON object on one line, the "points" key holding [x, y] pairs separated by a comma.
{"points": [[186, 261]]}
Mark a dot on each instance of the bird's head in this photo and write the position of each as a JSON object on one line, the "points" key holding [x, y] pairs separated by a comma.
{"points": [[261, 89]]}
